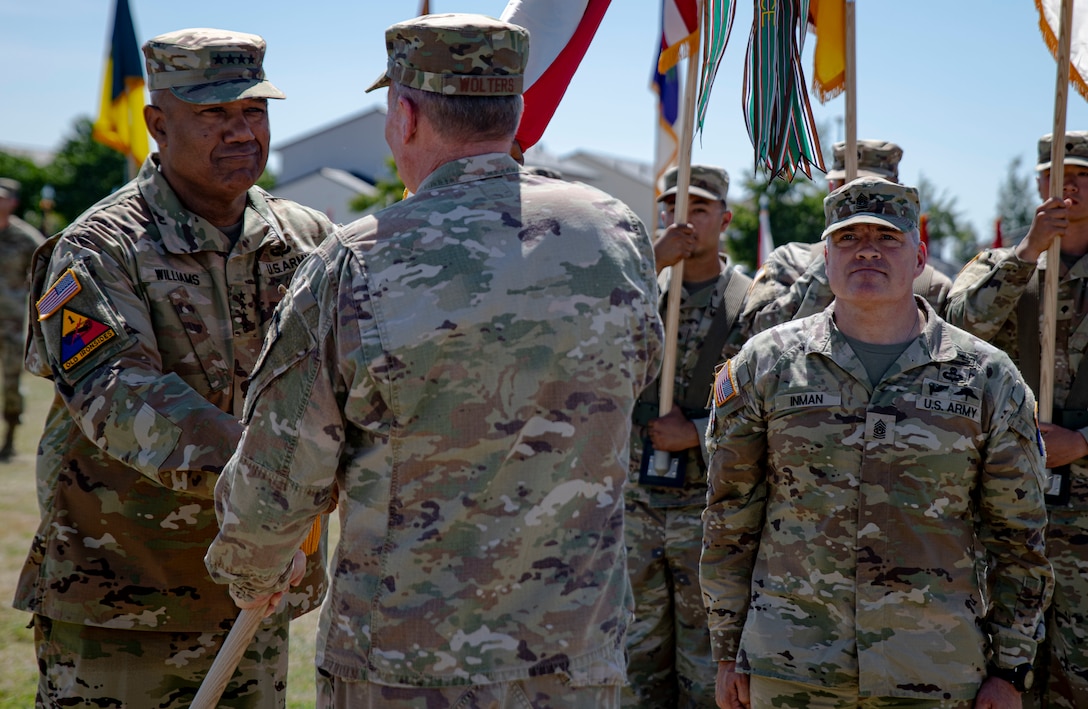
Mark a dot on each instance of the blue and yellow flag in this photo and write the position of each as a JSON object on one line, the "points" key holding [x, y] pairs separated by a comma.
{"points": [[120, 123]]}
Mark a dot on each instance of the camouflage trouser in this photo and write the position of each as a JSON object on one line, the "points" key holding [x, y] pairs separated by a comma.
{"points": [[544, 692], [1067, 619], [83, 665], [12, 343], [668, 645], [768, 692]]}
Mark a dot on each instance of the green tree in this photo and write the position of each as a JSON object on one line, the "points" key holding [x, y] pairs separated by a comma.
{"points": [[795, 209], [84, 171], [29, 175], [389, 190], [945, 223], [1017, 197]]}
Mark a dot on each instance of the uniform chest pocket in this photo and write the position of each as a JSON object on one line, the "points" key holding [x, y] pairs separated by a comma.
{"points": [[209, 359], [289, 340]]}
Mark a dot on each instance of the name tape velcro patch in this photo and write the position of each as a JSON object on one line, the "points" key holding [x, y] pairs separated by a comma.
{"points": [[63, 290]]}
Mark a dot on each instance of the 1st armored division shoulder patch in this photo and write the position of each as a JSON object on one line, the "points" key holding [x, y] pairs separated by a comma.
{"points": [[80, 336]]}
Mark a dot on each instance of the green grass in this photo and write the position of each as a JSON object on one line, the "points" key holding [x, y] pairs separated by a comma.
{"points": [[19, 512]]}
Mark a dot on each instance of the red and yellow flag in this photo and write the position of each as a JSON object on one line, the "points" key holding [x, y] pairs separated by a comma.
{"points": [[120, 123], [828, 20]]}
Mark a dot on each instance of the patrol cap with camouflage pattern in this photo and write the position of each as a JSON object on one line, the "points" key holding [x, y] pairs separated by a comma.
{"points": [[707, 181], [9, 188], [872, 200], [456, 54], [1076, 149], [203, 65], [876, 158]]}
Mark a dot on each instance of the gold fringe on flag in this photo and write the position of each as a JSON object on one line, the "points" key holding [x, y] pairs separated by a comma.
{"points": [[1051, 40], [828, 20]]}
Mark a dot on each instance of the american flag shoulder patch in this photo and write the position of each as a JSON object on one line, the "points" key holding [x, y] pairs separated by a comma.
{"points": [[725, 384], [58, 294]]}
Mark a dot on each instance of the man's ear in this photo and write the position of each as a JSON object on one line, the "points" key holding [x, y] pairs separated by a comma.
{"points": [[156, 123], [727, 216], [407, 119]]}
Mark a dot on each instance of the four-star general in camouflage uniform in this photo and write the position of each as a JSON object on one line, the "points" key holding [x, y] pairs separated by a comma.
{"points": [[149, 320], [18, 240], [792, 284], [668, 644], [853, 487], [458, 371], [990, 297]]}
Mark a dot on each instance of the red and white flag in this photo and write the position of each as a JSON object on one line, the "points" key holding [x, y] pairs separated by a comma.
{"points": [[559, 35], [766, 241]]}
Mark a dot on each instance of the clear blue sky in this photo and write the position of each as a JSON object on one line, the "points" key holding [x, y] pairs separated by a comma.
{"points": [[963, 87]]}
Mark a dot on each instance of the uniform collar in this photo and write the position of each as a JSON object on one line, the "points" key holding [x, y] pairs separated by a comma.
{"points": [[183, 232], [469, 169], [931, 344]]}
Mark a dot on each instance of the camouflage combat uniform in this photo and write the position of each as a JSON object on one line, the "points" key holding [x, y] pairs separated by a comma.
{"points": [[17, 243], [844, 521], [151, 322], [984, 301], [668, 644], [459, 372], [792, 284]]}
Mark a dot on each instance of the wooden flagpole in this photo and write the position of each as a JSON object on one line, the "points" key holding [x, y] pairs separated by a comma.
{"points": [[241, 634], [1053, 254], [851, 88], [680, 216], [222, 669]]}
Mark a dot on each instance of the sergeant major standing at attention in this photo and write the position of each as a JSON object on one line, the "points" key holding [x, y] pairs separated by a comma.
{"points": [[151, 309], [458, 373], [793, 282], [862, 460]]}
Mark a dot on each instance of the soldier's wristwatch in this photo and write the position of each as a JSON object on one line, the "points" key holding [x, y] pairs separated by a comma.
{"points": [[1021, 677]]}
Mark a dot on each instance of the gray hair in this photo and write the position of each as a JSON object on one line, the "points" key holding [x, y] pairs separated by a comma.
{"points": [[466, 119]]}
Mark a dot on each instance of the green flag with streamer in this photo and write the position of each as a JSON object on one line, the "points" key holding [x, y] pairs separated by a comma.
{"points": [[716, 24], [778, 115]]}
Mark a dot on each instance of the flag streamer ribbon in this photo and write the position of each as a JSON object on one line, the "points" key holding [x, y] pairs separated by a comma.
{"points": [[717, 23], [778, 114]]}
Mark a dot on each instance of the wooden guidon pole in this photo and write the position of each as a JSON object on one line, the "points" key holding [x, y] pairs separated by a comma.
{"points": [[1053, 254]]}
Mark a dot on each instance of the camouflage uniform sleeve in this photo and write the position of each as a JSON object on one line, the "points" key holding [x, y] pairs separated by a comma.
{"points": [[736, 498], [939, 287], [115, 387], [1012, 522], [984, 295], [283, 474], [771, 298], [786, 306]]}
